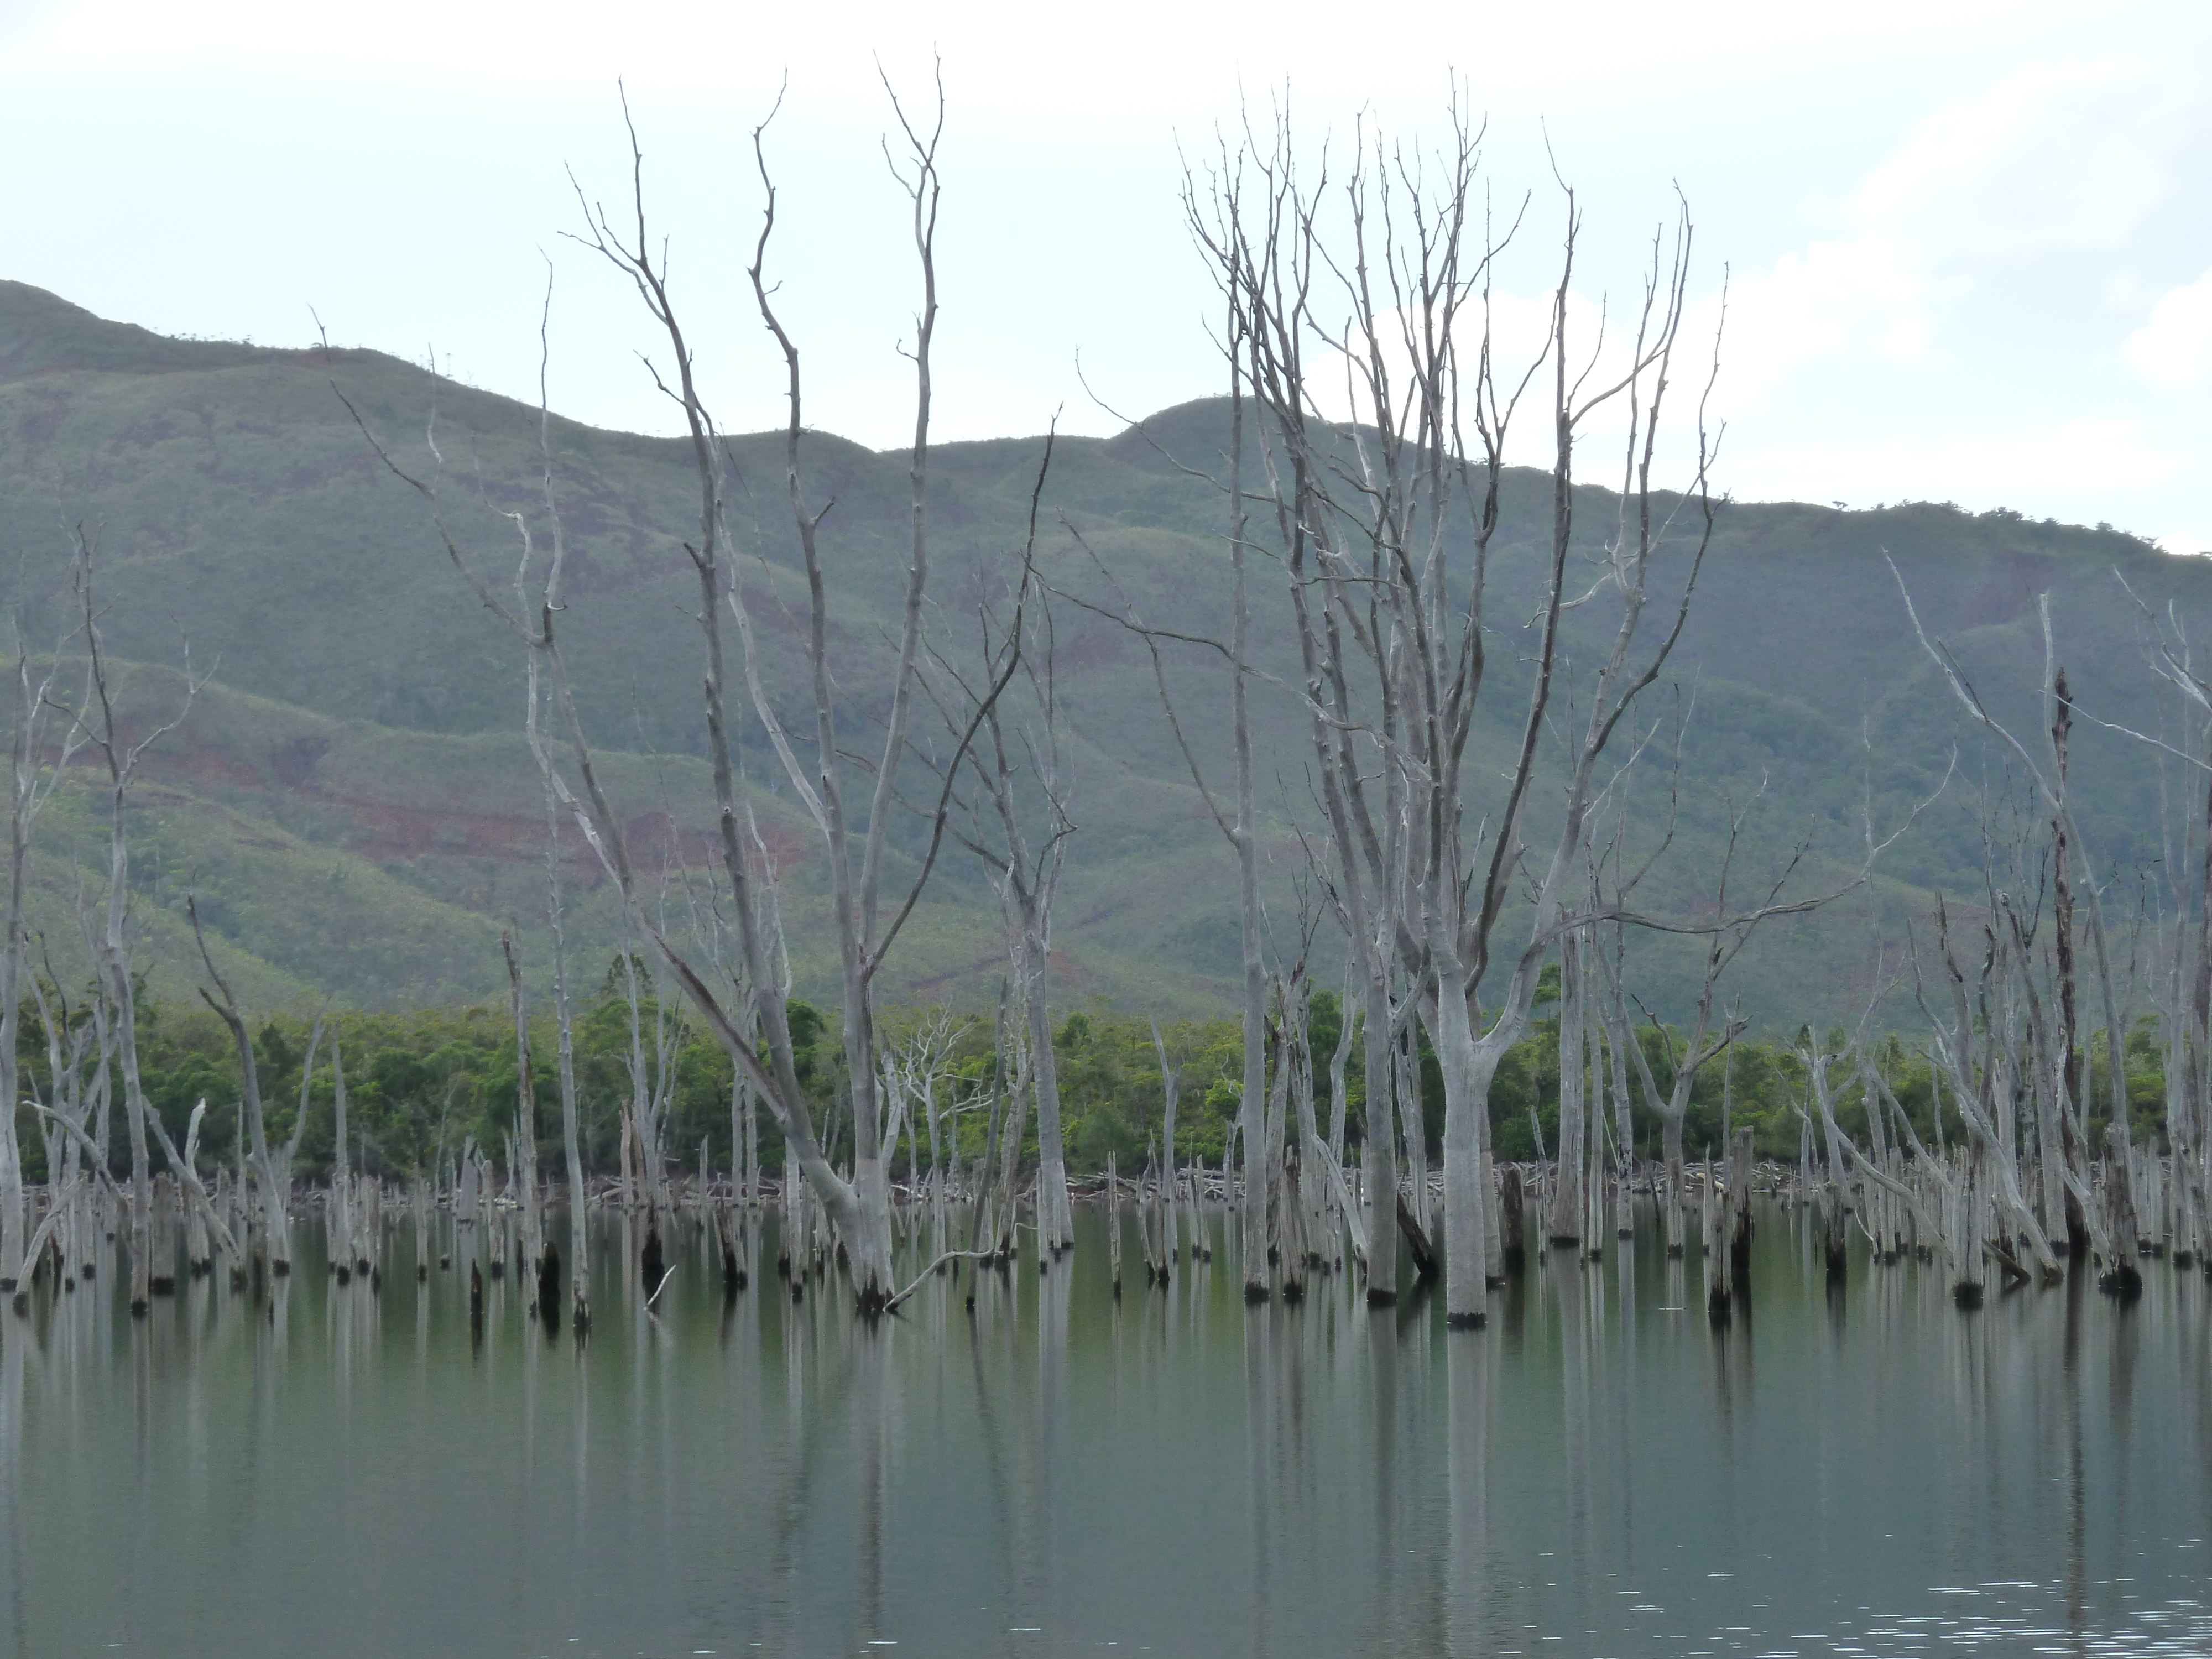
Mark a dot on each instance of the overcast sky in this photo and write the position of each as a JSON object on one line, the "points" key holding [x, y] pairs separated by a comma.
{"points": [[1969, 245]]}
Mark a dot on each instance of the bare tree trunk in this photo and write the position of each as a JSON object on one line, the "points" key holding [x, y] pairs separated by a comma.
{"points": [[1171, 1244], [1114, 1225], [1245, 836], [579, 1235], [645, 1131], [1379, 1147], [338, 1217], [114, 950], [1467, 1267], [1742, 1161], [1339, 1058], [31, 785], [1055, 1219], [1015, 1055], [1712, 1235], [1564, 1222], [1307, 1180], [525, 1155], [1286, 1237]]}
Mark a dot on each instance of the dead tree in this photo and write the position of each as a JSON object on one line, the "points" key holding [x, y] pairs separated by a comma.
{"points": [[1564, 1225], [524, 1158], [2058, 1077], [204, 1221], [2182, 978], [1238, 820], [1386, 528], [32, 780], [579, 1255], [1026, 868], [915, 1072], [74, 1170], [651, 1083], [1167, 1225], [104, 731], [1703, 1041], [1982, 1086], [270, 1246], [338, 1211], [867, 925]]}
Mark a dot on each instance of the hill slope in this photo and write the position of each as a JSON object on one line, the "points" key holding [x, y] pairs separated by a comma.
{"points": [[350, 802]]}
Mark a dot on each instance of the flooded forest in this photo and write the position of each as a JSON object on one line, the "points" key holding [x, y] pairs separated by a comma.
{"points": [[1447, 1247]]}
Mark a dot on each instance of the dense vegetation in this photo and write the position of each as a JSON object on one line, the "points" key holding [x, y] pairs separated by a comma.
{"points": [[420, 1081]]}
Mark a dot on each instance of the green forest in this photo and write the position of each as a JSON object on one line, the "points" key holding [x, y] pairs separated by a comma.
{"points": [[420, 1082]]}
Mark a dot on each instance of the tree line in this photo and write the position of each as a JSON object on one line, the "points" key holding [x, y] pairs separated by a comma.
{"points": [[421, 1082]]}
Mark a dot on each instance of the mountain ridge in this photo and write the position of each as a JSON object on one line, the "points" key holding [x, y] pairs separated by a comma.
{"points": [[238, 507]]}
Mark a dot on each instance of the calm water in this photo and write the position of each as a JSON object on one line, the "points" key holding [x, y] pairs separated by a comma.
{"points": [[1597, 1472]]}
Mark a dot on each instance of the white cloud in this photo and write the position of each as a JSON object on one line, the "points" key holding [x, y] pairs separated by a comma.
{"points": [[2050, 156], [2174, 347], [1836, 295], [2053, 156]]}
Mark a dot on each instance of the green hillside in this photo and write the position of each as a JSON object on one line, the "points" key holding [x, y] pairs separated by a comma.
{"points": [[350, 802]]}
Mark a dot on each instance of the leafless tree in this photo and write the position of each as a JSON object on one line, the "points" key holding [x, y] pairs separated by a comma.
{"points": [[104, 731], [868, 922], [1707, 1038], [579, 1256], [32, 776], [2042, 1014], [1166, 1223], [271, 1167], [1385, 527], [1022, 836], [1239, 820]]}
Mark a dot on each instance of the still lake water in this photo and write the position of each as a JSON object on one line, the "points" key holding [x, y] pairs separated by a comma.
{"points": [[1598, 1473]]}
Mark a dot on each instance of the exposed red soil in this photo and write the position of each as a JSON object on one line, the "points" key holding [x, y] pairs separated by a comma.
{"points": [[2009, 592], [389, 831]]}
